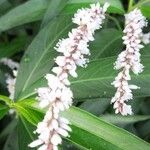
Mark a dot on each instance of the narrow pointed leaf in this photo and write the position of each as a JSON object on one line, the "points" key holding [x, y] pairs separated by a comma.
{"points": [[34, 10], [39, 57], [54, 8], [93, 133], [30, 11], [115, 5], [90, 132], [9, 49], [5, 99], [95, 80], [124, 120]]}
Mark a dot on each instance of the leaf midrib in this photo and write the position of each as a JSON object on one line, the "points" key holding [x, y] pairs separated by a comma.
{"points": [[78, 126], [102, 78], [98, 121]]}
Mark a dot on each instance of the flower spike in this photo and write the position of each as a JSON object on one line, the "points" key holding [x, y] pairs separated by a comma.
{"points": [[58, 96], [128, 60]]}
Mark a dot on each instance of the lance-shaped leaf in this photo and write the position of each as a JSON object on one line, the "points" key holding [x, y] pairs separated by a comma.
{"points": [[90, 132], [39, 57], [124, 120], [115, 5], [28, 12], [34, 10]]}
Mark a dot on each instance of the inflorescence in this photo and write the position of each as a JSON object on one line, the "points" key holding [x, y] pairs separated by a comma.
{"points": [[58, 96], [128, 60]]}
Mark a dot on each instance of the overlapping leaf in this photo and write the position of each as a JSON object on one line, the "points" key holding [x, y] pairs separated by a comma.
{"points": [[34, 10], [39, 58], [9, 49], [28, 12], [95, 81], [115, 5], [96, 133], [124, 120], [144, 5], [30, 76], [100, 135]]}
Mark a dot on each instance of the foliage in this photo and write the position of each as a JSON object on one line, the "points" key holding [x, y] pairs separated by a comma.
{"points": [[29, 31]]}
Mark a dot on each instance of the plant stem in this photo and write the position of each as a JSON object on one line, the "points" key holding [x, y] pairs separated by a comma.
{"points": [[140, 3], [130, 5]]}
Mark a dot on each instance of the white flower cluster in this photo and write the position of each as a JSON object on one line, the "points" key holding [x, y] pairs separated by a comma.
{"points": [[128, 60], [11, 81], [58, 96], [146, 38], [10, 63]]}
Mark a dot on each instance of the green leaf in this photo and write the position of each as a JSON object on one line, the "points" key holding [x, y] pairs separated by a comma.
{"points": [[144, 130], [115, 5], [53, 10], [5, 99], [146, 50], [8, 129], [4, 5], [34, 10], [95, 106], [30, 11], [144, 5], [9, 49], [30, 113], [95, 80], [25, 133], [91, 132], [3, 110], [12, 141], [146, 10], [118, 119], [29, 116], [39, 57], [108, 42]]}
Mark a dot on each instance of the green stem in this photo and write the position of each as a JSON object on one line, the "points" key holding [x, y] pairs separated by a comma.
{"points": [[130, 5], [140, 3], [115, 21]]}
